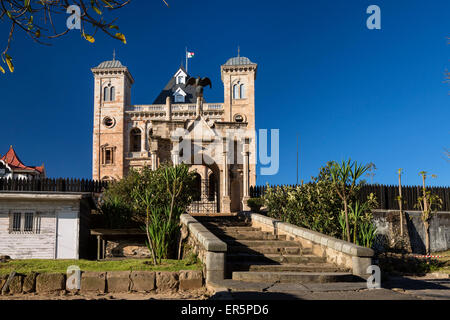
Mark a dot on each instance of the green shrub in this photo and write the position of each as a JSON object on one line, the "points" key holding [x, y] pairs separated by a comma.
{"points": [[122, 211], [317, 206], [255, 204]]}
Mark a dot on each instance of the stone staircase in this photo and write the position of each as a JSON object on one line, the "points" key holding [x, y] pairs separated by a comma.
{"points": [[257, 256]]}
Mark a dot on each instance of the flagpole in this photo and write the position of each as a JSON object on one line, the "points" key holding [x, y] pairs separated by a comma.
{"points": [[185, 54]]}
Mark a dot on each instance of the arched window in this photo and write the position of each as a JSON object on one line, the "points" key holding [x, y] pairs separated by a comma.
{"points": [[212, 187], [197, 187], [113, 94], [242, 91], [106, 94], [236, 91], [135, 140]]}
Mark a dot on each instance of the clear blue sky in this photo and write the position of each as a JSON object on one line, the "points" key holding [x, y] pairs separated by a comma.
{"points": [[373, 95]]}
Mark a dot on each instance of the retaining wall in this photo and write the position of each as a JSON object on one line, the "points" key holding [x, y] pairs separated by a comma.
{"points": [[388, 226], [104, 282], [342, 253], [209, 248]]}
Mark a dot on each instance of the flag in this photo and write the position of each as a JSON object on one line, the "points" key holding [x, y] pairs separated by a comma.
{"points": [[189, 55]]}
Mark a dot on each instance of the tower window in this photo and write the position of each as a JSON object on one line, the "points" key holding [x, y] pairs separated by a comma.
{"points": [[135, 140], [238, 90], [235, 91], [109, 93], [238, 118], [106, 92], [107, 155], [108, 122], [242, 91], [113, 93]]}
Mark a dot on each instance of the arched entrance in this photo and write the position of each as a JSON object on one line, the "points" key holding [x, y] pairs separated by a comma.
{"points": [[206, 193]]}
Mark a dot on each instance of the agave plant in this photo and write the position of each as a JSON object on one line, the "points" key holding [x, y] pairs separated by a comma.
{"points": [[367, 233], [344, 176]]}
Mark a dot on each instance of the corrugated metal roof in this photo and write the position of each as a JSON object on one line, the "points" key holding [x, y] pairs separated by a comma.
{"points": [[238, 61], [110, 64]]}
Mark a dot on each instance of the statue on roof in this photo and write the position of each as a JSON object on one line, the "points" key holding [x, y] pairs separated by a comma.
{"points": [[199, 84]]}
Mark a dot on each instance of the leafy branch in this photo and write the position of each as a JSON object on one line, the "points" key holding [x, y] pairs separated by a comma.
{"points": [[36, 19]]}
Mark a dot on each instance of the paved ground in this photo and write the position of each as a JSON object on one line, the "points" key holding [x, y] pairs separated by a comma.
{"points": [[398, 288]]}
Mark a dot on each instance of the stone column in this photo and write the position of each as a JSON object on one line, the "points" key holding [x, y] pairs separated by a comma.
{"points": [[245, 183], [226, 200], [144, 150], [154, 156], [168, 109], [198, 109]]}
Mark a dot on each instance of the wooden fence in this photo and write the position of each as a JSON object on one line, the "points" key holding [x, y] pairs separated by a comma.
{"points": [[53, 185], [386, 195]]}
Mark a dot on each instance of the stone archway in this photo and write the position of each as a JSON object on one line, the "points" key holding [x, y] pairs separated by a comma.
{"points": [[207, 185]]}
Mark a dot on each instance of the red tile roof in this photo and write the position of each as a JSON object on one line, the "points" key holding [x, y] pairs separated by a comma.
{"points": [[14, 162]]}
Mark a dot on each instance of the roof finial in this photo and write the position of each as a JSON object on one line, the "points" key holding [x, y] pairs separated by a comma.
{"points": [[114, 55], [239, 51]]}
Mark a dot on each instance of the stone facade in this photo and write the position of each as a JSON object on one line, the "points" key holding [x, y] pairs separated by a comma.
{"points": [[129, 136]]}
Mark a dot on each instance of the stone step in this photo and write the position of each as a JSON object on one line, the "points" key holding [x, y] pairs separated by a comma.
{"points": [[250, 236], [215, 224], [236, 257], [233, 229], [261, 243], [289, 277], [274, 267], [268, 249]]}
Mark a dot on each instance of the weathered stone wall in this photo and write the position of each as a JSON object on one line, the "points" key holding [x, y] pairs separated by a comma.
{"points": [[104, 282], [388, 226], [209, 249]]}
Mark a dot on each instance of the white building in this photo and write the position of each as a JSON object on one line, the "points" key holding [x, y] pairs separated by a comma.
{"points": [[44, 225], [11, 167]]}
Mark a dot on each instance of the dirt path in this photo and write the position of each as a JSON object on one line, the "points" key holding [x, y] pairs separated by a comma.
{"points": [[202, 294]]}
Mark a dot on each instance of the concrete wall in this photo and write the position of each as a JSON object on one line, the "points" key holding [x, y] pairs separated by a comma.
{"points": [[387, 222]]}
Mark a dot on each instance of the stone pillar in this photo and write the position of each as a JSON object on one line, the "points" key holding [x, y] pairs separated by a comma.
{"points": [[198, 109], [168, 109], [144, 150], [154, 155], [226, 200], [245, 183]]}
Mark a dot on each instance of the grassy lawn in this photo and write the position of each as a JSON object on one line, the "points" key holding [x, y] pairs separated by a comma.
{"points": [[445, 261], [60, 266]]}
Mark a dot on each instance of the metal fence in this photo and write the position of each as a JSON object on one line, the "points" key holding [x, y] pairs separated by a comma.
{"points": [[386, 195], [53, 185]]}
